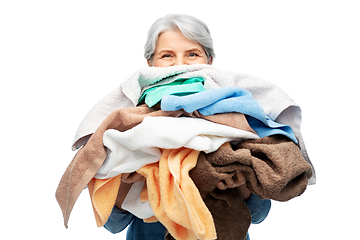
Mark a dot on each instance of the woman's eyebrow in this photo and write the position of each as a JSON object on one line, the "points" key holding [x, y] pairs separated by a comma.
{"points": [[165, 51], [193, 49]]}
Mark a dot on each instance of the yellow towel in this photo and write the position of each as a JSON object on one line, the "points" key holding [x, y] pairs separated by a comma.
{"points": [[103, 194], [175, 199]]}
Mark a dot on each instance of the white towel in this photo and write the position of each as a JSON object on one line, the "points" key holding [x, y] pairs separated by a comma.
{"points": [[133, 203], [130, 150]]}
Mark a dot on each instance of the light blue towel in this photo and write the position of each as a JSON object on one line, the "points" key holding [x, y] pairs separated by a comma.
{"points": [[225, 100]]}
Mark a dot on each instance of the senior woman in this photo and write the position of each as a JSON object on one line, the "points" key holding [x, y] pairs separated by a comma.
{"points": [[177, 39]]}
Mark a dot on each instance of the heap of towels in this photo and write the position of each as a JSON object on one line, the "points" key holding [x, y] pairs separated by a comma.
{"points": [[185, 128]]}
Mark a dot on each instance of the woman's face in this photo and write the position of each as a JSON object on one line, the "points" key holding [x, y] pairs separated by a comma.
{"points": [[173, 48]]}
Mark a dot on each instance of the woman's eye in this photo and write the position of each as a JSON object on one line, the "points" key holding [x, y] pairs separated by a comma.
{"points": [[166, 56], [194, 55]]}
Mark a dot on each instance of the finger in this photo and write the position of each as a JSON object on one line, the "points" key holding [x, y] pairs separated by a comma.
{"points": [[240, 178], [221, 185], [230, 183]]}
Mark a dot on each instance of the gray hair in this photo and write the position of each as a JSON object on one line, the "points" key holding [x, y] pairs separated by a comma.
{"points": [[191, 27]]}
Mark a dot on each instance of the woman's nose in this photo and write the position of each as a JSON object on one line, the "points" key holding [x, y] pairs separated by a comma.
{"points": [[180, 61]]}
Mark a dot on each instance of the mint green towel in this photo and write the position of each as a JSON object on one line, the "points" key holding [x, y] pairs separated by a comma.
{"points": [[180, 87]]}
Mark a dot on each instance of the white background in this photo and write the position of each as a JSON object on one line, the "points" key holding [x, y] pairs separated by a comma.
{"points": [[58, 58]]}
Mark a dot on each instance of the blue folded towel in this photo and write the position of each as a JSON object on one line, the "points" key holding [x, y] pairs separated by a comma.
{"points": [[225, 100]]}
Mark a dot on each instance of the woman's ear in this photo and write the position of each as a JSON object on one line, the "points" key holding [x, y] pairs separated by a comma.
{"points": [[211, 61], [150, 64]]}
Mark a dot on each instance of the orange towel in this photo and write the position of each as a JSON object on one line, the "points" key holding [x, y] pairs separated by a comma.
{"points": [[103, 194], [175, 199]]}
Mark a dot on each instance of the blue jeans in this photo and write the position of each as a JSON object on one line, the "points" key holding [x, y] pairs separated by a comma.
{"points": [[139, 230]]}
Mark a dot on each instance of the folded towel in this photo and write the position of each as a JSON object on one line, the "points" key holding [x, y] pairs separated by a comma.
{"points": [[180, 87], [224, 100], [151, 77], [103, 194], [214, 101], [174, 198], [89, 158]]}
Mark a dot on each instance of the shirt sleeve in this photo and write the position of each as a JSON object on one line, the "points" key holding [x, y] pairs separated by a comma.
{"points": [[259, 208], [118, 220]]}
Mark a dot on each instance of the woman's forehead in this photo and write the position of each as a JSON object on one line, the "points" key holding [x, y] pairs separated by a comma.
{"points": [[174, 39]]}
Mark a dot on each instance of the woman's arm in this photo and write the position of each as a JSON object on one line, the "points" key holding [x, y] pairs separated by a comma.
{"points": [[259, 208], [118, 220]]}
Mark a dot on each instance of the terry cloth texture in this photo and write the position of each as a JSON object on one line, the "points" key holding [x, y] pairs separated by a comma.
{"points": [[179, 87], [224, 100], [89, 158], [277, 105], [174, 198], [103, 194], [229, 211], [132, 149], [274, 167]]}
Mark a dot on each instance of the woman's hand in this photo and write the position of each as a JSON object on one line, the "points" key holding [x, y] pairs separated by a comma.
{"points": [[238, 181], [233, 182]]}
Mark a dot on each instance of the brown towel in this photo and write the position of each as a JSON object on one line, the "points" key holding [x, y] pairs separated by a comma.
{"points": [[89, 158], [273, 166], [231, 215]]}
